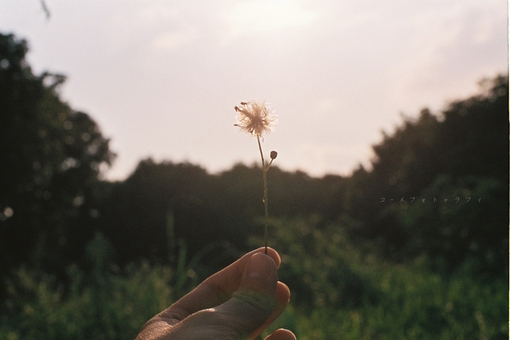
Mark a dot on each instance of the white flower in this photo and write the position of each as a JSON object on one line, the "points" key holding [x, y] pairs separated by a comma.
{"points": [[255, 118]]}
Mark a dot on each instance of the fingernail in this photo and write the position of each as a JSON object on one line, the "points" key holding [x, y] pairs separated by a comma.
{"points": [[260, 276], [260, 265]]}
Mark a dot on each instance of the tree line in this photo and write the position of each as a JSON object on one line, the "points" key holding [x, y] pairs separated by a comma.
{"points": [[437, 187]]}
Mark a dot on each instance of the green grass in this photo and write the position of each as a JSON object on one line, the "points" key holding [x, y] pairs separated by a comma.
{"points": [[342, 293], [104, 306], [338, 292], [411, 305]]}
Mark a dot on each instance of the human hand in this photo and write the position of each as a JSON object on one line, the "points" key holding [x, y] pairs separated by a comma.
{"points": [[238, 302]]}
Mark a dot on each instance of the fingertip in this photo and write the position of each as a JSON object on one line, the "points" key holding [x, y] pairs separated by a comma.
{"points": [[271, 253], [260, 275], [281, 334], [282, 294]]}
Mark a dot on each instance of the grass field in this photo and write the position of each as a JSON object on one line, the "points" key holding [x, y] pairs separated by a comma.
{"points": [[338, 293]]}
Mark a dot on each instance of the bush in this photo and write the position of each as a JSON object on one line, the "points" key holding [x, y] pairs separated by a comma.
{"points": [[98, 307], [338, 292]]}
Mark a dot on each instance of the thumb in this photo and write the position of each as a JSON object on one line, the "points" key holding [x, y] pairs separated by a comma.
{"points": [[248, 309], [252, 304]]}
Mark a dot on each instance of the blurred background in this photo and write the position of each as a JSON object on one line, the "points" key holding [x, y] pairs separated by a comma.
{"points": [[123, 181]]}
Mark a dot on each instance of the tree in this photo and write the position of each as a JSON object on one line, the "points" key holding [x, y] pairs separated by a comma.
{"points": [[158, 206], [461, 153], [472, 175], [52, 157]]}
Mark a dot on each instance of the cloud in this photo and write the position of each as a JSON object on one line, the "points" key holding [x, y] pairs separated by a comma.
{"points": [[337, 72], [262, 16], [447, 50]]}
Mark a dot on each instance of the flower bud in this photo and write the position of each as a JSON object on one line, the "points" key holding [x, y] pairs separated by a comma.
{"points": [[273, 154]]}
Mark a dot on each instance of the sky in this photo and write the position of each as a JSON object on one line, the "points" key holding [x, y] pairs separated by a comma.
{"points": [[162, 77]]}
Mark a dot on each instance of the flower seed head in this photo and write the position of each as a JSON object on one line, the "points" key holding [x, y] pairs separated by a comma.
{"points": [[255, 118]]}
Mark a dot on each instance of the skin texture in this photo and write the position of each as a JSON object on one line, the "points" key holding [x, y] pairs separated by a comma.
{"points": [[238, 302]]}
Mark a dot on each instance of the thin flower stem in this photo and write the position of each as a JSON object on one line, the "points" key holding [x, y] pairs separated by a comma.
{"points": [[266, 209]]}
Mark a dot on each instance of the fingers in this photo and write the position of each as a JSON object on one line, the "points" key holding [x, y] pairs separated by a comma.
{"points": [[253, 303], [281, 334], [244, 313], [248, 297], [215, 290]]}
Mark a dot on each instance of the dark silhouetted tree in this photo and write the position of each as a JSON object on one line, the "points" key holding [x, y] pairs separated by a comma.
{"points": [[462, 153], [158, 206], [51, 158]]}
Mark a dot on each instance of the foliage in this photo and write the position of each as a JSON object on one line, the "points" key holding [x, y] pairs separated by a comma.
{"points": [[460, 154], [318, 263], [337, 290], [136, 213], [413, 304], [463, 153], [414, 247], [201, 207], [52, 158], [105, 303], [443, 227]]}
